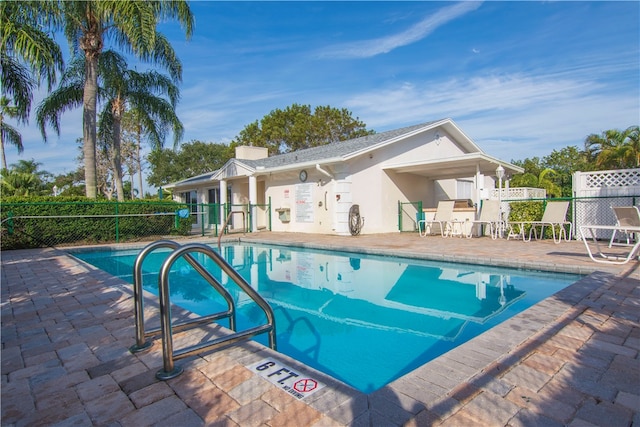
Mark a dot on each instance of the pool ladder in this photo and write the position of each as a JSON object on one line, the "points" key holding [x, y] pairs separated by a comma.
{"points": [[167, 328]]}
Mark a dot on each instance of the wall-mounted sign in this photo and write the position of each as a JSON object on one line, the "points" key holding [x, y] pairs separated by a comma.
{"points": [[304, 202]]}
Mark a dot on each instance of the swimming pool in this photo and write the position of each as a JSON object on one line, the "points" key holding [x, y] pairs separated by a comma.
{"points": [[363, 319]]}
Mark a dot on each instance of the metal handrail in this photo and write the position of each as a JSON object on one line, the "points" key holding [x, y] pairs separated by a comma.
{"points": [[168, 354], [141, 334], [226, 222]]}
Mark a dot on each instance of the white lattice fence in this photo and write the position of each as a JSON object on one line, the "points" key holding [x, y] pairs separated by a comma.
{"points": [[596, 192]]}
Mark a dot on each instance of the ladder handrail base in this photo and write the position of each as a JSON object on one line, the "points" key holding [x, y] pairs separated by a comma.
{"points": [[163, 375], [140, 348]]}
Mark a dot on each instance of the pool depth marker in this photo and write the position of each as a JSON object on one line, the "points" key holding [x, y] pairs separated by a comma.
{"points": [[292, 381]]}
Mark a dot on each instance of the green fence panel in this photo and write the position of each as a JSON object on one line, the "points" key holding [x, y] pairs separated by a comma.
{"points": [[41, 224]]}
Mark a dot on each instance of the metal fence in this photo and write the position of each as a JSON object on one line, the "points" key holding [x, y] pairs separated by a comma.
{"points": [[216, 218], [409, 213], [42, 224]]}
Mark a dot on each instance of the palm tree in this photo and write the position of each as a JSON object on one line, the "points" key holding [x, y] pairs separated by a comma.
{"points": [[149, 118], [545, 181], [8, 133], [14, 183], [28, 55], [119, 90], [23, 179], [614, 149], [633, 146], [139, 92], [132, 25]]}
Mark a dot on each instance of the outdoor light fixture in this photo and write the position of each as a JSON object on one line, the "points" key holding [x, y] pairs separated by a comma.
{"points": [[500, 175]]}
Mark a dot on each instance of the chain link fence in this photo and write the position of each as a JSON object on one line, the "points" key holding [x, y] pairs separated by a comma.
{"points": [[32, 225]]}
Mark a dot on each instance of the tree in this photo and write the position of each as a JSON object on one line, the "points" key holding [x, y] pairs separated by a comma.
{"points": [[614, 149], [554, 171], [70, 184], [564, 163], [192, 159], [8, 133], [13, 183], [24, 179], [532, 168], [132, 25], [118, 90], [132, 163], [141, 93], [150, 116], [295, 128], [105, 174], [28, 55], [545, 180]]}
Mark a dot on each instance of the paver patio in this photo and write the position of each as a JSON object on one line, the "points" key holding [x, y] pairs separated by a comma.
{"points": [[570, 360]]}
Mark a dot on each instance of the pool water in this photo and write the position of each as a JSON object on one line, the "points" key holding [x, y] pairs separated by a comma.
{"points": [[363, 319]]}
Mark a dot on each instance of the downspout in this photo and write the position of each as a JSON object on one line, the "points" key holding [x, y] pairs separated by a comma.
{"points": [[319, 169]]}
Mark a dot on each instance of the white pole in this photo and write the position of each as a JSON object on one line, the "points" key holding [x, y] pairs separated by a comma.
{"points": [[500, 175]]}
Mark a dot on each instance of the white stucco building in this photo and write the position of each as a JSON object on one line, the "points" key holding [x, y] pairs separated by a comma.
{"points": [[313, 190]]}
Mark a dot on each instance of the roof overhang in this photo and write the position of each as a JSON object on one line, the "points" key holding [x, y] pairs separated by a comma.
{"points": [[297, 166], [190, 182], [462, 166]]}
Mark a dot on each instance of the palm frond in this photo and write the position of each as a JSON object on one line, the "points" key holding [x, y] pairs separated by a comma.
{"points": [[11, 135]]}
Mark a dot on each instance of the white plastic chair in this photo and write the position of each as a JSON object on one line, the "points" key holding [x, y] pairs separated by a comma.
{"points": [[442, 219], [489, 216], [555, 215], [626, 216]]}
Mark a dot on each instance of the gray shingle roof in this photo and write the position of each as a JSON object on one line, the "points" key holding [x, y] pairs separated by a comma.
{"points": [[335, 149], [317, 154]]}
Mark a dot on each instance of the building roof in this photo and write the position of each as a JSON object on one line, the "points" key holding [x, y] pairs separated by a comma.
{"points": [[334, 149], [343, 150]]}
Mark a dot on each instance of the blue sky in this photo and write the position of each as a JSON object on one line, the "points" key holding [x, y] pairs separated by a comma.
{"points": [[520, 78]]}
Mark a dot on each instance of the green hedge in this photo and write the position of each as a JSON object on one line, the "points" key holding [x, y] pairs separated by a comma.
{"points": [[90, 221]]}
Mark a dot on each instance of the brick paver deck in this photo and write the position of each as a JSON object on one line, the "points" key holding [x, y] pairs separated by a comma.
{"points": [[569, 360]]}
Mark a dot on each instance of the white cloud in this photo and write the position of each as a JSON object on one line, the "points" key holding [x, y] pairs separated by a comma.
{"points": [[369, 48], [514, 116]]}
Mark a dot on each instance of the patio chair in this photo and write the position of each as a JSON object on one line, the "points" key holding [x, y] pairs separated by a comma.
{"points": [[555, 215], [442, 220], [490, 217], [626, 216]]}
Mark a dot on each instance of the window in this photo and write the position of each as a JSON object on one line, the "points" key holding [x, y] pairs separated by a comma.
{"points": [[191, 199], [464, 189]]}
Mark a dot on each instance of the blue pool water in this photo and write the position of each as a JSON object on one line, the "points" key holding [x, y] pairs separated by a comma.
{"points": [[363, 319]]}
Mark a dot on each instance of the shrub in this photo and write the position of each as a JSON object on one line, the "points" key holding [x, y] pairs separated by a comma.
{"points": [[47, 221]]}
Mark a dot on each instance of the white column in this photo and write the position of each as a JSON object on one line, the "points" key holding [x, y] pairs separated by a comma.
{"points": [[253, 200], [223, 200], [479, 183]]}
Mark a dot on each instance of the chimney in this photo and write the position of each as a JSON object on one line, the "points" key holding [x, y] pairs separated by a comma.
{"points": [[245, 152]]}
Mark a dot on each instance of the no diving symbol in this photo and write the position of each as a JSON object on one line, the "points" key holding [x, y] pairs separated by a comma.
{"points": [[305, 385]]}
